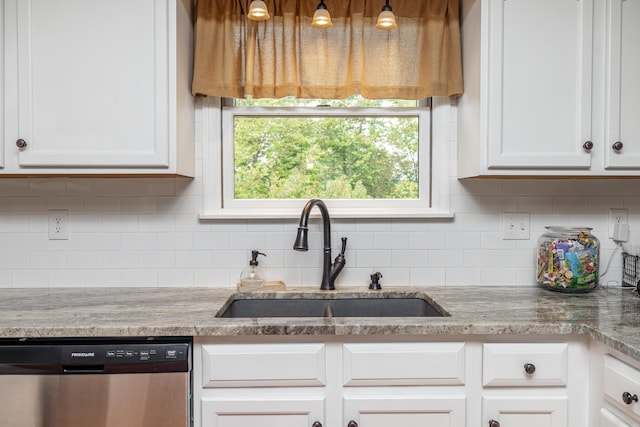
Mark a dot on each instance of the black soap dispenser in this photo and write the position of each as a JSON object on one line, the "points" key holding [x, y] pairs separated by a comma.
{"points": [[252, 277]]}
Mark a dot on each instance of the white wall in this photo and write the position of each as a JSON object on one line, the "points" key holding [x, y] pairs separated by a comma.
{"points": [[146, 232]]}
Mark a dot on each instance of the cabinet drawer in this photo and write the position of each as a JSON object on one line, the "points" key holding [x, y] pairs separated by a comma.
{"points": [[506, 364], [263, 365], [403, 364], [608, 419], [620, 378]]}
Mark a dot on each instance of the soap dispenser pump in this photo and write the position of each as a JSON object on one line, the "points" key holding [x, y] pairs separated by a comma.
{"points": [[252, 277]]}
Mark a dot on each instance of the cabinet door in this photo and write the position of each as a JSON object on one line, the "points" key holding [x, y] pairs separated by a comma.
{"points": [[623, 88], [277, 411], [92, 82], [608, 419], [525, 411], [539, 83], [400, 409]]}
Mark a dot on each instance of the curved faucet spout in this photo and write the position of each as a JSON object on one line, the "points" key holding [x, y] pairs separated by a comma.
{"points": [[329, 271]]}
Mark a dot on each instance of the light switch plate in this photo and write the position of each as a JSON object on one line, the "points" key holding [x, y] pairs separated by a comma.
{"points": [[516, 226]]}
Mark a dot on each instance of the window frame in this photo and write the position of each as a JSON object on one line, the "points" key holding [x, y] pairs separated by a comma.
{"points": [[218, 179]]}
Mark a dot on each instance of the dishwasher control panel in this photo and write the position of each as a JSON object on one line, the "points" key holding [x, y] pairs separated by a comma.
{"points": [[105, 356], [127, 353]]}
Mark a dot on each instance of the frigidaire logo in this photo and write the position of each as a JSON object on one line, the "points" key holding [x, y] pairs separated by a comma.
{"points": [[86, 354]]}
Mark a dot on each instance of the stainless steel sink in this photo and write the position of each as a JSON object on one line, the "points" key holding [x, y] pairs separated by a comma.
{"points": [[332, 307]]}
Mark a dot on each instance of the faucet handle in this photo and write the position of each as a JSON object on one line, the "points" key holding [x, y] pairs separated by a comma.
{"points": [[375, 284], [344, 246]]}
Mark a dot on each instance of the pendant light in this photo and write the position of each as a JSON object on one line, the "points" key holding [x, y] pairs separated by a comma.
{"points": [[321, 18], [386, 19], [258, 11]]}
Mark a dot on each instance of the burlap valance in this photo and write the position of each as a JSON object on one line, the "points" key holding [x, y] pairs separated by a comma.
{"points": [[285, 56]]}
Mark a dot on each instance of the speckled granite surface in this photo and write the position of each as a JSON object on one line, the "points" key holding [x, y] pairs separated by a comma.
{"points": [[610, 316]]}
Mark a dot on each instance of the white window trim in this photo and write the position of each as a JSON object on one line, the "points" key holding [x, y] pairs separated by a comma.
{"points": [[213, 179]]}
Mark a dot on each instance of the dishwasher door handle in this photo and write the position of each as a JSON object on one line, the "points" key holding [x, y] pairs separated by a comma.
{"points": [[83, 369]]}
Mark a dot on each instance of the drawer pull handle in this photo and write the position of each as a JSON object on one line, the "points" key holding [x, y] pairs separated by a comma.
{"points": [[529, 368], [352, 424], [21, 144], [629, 398], [494, 423], [617, 146], [587, 145], [316, 424]]}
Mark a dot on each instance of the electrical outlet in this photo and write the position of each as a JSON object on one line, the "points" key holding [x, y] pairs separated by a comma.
{"points": [[58, 225], [515, 226], [617, 216]]}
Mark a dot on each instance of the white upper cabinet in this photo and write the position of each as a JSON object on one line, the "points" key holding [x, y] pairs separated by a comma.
{"points": [[2, 39], [98, 87], [622, 127], [535, 76]]}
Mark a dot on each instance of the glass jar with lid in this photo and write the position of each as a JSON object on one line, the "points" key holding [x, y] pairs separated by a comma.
{"points": [[568, 259]]}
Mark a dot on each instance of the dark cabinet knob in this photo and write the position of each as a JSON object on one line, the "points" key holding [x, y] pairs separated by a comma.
{"points": [[352, 424], [529, 368], [617, 146], [21, 144], [629, 398], [494, 423], [316, 424], [587, 145]]}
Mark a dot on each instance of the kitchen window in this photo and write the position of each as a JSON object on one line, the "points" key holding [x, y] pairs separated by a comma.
{"points": [[264, 158], [272, 140]]}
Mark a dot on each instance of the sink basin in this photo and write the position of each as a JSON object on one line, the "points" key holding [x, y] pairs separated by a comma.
{"points": [[332, 307]]}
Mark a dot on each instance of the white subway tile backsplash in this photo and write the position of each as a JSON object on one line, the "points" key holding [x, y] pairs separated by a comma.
{"points": [[84, 187], [176, 277], [66, 278], [445, 258], [13, 187], [84, 259], [193, 259], [47, 187], [462, 240], [158, 259], [119, 260], [29, 278], [211, 240], [120, 187], [426, 240], [28, 205], [102, 205], [15, 223], [376, 259], [139, 277], [387, 240], [103, 278], [146, 232], [161, 223], [120, 223], [142, 242], [428, 277], [408, 258]]}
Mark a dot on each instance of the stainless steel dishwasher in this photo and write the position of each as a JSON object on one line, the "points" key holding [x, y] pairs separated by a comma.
{"points": [[95, 383]]}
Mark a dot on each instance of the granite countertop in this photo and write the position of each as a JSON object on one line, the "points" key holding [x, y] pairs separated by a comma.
{"points": [[609, 316]]}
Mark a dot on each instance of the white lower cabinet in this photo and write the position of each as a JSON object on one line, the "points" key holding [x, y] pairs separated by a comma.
{"points": [[525, 411], [621, 388], [395, 409], [525, 384], [318, 384], [263, 411], [411, 383]]}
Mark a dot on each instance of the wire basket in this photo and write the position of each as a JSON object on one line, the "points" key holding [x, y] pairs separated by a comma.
{"points": [[630, 269]]}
